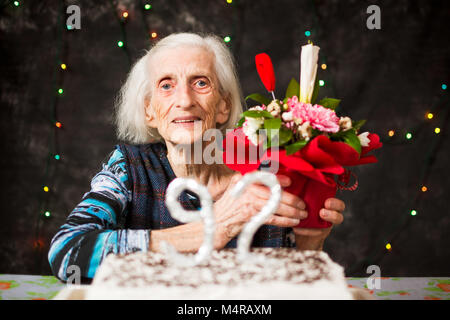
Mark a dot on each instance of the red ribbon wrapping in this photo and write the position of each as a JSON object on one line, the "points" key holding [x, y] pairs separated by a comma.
{"points": [[312, 169]]}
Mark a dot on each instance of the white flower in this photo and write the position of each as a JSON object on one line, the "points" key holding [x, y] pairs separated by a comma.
{"points": [[275, 113], [258, 108], [305, 130], [254, 124], [298, 121], [363, 139], [308, 71], [250, 126], [274, 108], [287, 116], [345, 123]]}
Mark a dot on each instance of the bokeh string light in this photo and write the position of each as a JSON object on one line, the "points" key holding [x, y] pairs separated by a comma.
{"points": [[150, 34], [121, 15], [411, 210], [47, 196]]}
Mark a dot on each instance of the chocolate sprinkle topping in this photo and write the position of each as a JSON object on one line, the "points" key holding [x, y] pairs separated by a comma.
{"points": [[147, 269]]}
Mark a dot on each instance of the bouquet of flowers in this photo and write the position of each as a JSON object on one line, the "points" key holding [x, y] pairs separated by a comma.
{"points": [[299, 137]]}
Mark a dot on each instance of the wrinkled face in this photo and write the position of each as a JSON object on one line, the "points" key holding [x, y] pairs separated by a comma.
{"points": [[185, 95]]}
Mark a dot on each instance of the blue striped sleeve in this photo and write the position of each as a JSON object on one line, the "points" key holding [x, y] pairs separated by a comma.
{"points": [[94, 228]]}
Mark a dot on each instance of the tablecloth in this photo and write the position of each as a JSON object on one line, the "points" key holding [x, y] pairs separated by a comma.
{"points": [[32, 287]]}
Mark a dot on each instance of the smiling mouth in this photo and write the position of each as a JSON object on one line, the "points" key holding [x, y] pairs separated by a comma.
{"points": [[190, 119]]}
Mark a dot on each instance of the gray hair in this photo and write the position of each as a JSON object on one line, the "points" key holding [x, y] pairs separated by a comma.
{"points": [[131, 100]]}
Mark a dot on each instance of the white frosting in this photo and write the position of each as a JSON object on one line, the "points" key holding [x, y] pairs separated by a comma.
{"points": [[290, 274]]}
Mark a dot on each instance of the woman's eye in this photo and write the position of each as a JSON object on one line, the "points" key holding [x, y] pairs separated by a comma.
{"points": [[201, 84], [166, 86]]}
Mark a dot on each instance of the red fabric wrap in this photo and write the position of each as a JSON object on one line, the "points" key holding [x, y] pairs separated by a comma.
{"points": [[312, 169]]}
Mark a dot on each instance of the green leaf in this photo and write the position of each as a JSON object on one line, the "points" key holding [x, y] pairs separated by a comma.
{"points": [[257, 114], [285, 136], [385, 293], [358, 124], [240, 123], [315, 91], [433, 289], [350, 138], [275, 134], [258, 98], [293, 89], [329, 103], [272, 124], [442, 281], [293, 148], [270, 135]]}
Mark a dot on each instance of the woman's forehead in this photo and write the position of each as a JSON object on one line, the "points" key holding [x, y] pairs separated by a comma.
{"points": [[183, 60]]}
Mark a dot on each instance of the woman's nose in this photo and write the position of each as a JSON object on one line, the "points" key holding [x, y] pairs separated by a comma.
{"points": [[184, 97]]}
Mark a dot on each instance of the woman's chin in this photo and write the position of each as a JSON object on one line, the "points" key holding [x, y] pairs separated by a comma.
{"points": [[187, 138], [186, 134]]}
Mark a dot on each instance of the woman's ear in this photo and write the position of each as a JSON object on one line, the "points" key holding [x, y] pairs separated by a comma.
{"points": [[223, 110], [150, 118]]}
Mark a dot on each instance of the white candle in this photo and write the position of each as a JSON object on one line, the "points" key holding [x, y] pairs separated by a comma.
{"points": [[308, 71]]}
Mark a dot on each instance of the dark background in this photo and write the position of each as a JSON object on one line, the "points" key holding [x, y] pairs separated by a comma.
{"points": [[392, 77]]}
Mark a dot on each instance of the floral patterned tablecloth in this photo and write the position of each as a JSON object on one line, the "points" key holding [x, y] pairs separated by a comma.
{"points": [[30, 287]]}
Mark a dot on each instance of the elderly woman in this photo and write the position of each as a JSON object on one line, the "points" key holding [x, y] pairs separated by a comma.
{"points": [[185, 85]]}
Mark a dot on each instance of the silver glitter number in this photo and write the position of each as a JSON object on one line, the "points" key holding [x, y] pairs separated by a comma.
{"points": [[178, 212], [246, 236]]}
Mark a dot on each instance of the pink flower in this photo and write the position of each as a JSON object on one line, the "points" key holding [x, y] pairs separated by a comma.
{"points": [[291, 102], [320, 118]]}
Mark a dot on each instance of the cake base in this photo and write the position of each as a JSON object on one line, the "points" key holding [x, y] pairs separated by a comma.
{"points": [[284, 274]]}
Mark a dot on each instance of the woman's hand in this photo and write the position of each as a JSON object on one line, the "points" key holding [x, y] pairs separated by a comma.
{"points": [[313, 239], [233, 213]]}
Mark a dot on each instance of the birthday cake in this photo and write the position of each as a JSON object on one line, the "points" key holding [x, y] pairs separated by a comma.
{"points": [[285, 274], [227, 274]]}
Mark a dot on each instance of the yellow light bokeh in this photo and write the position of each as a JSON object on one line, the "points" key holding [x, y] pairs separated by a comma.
{"points": [[323, 66], [430, 115], [46, 189], [391, 133]]}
